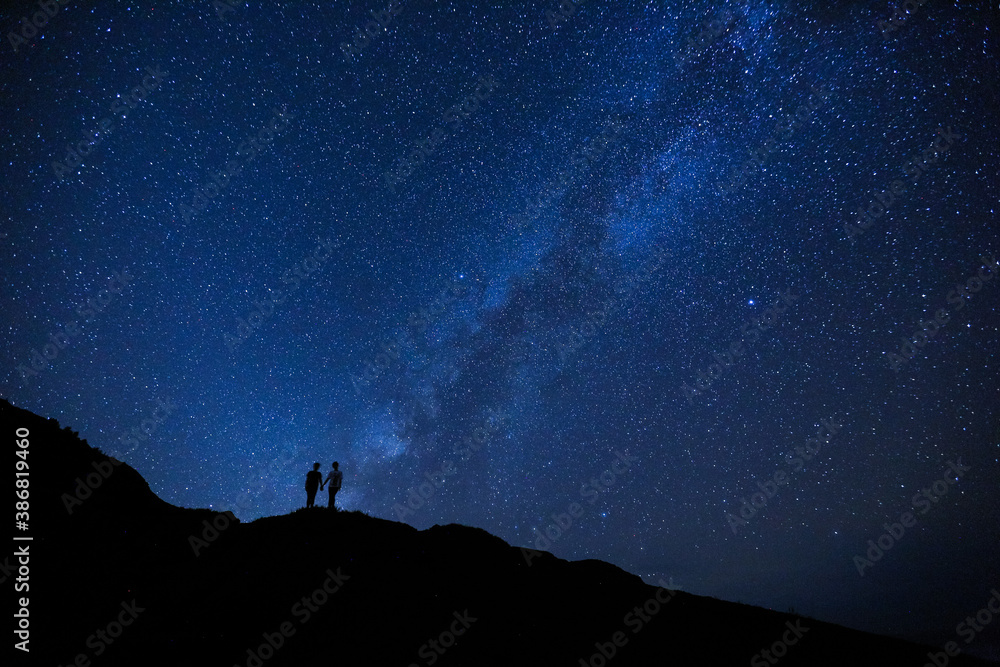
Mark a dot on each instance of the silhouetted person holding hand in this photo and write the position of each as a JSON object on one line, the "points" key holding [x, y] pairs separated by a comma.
{"points": [[334, 478], [313, 482]]}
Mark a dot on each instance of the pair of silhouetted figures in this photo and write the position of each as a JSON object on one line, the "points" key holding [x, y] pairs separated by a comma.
{"points": [[314, 483]]}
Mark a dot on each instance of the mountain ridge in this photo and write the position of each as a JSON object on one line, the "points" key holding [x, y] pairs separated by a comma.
{"points": [[195, 586]]}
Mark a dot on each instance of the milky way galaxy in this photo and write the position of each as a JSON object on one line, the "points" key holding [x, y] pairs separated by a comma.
{"points": [[702, 290]]}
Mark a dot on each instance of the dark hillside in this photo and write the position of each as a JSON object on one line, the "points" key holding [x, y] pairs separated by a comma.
{"points": [[349, 589]]}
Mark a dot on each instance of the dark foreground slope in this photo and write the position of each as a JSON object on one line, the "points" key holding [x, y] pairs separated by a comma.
{"points": [[322, 588]]}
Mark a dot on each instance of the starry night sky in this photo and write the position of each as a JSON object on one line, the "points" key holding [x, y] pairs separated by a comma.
{"points": [[504, 249]]}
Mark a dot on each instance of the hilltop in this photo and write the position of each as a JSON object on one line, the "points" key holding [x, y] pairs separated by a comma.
{"points": [[118, 576]]}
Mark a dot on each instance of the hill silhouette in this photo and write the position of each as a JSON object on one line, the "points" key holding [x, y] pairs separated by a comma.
{"points": [[122, 577]]}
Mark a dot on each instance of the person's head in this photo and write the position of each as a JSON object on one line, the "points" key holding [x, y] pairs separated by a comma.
{"points": [[336, 465], [315, 466]]}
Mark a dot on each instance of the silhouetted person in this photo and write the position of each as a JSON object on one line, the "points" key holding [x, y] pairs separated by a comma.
{"points": [[334, 478], [313, 482]]}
